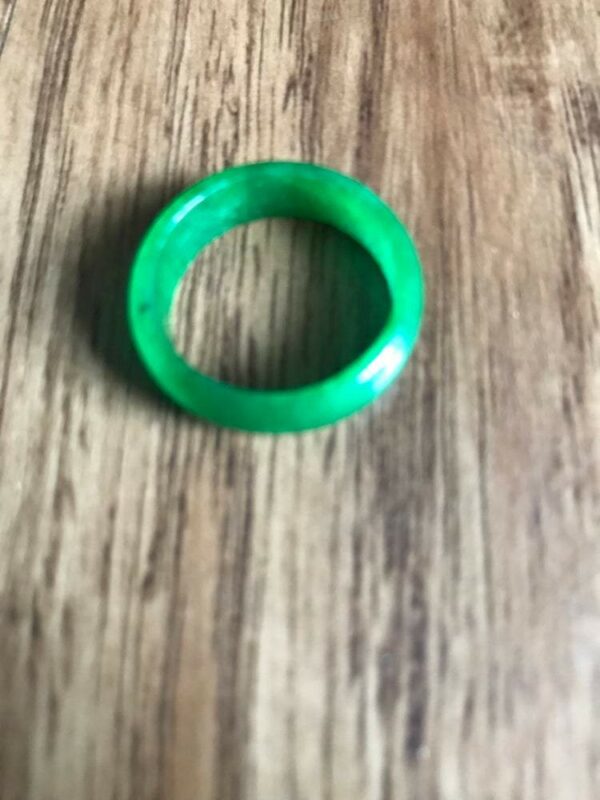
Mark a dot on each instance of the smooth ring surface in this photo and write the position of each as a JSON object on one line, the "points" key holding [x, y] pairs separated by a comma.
{"points": [[241, 195]]}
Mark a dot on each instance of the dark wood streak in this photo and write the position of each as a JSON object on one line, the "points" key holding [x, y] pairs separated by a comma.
{"points": [[7, 10]]}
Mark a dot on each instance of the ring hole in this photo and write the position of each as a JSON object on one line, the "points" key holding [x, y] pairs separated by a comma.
{"points": [[278, 304]]}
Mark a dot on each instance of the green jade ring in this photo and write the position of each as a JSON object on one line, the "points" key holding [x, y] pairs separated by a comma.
{"points": [[241, 195]]}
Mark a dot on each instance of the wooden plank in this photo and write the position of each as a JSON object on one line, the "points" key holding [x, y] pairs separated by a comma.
{"points": [[404, 606]]}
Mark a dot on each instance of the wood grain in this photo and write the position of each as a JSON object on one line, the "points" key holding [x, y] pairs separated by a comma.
{"points": [[404, 606], [6, 10]]}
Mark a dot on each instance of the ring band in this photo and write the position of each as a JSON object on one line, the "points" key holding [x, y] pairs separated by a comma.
{"points": [[241, 195]]}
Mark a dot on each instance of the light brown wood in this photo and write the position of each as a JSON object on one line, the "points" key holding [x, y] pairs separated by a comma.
{"points": [[404, 606]]}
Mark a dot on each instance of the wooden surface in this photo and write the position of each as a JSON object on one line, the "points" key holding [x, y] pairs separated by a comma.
{"points": [[406, 606]]}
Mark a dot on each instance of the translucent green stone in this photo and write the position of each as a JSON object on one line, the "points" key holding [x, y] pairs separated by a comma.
{"points": [[241, 195]]}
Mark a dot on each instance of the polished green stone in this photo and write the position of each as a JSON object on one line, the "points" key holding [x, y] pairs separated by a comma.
{"points": [[241, 195]]}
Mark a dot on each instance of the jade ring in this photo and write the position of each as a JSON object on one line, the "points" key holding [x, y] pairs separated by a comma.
{"points": [[240, 195]]}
